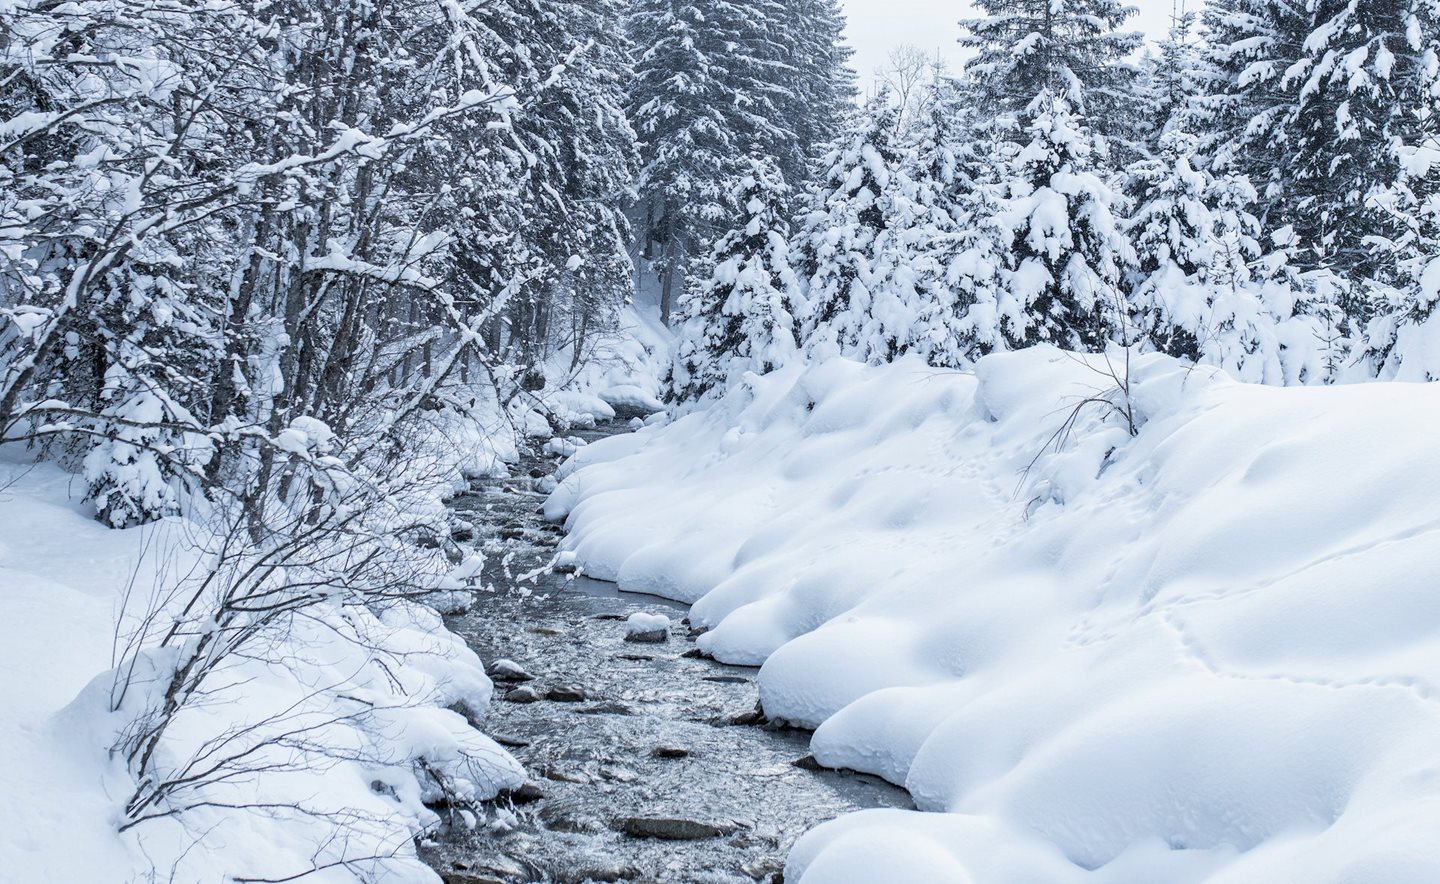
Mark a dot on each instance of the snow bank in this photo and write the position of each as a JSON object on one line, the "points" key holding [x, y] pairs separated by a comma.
{"points": [[371, 687], [1210, 652]]}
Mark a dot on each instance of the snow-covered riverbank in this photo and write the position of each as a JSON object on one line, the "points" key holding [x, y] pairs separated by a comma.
{"points": [[312, 756], [1210, 652]]}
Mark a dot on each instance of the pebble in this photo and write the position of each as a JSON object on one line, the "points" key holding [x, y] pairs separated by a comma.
{"points": [[669, 752], [564, 694]]}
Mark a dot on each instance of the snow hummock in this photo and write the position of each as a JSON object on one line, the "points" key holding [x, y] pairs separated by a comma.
{"points": [[640, 623], [1207, 652]]}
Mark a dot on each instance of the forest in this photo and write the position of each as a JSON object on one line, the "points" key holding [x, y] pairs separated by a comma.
{"points": [[283, 284]]}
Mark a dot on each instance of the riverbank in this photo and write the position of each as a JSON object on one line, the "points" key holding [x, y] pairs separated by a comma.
{"points": [[648, 762], [1112, 620]]}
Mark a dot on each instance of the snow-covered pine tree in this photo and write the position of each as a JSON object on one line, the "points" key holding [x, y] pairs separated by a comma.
{"points": [[1069, 49], [941, 182], [1067, 252], [1169, 82], [1249, 45], [576, 156], [818, 97], [1173, 230], [1348, 109], [738, 311], [1402, 340], [704, 95], [853, 251]]}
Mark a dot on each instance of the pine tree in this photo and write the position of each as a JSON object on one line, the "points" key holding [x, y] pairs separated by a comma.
{"points": [[947, 242], [575, 158], [1069, 49], [1169, 82], [1067, 253], [820, 93], [738, 314], [702, 98], [853, 253], [1402, 339], [1348, 105]]}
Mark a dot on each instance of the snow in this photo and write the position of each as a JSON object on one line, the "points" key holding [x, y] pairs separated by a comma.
{"points": [[640, 623], [1208, 652], [63, 583]]}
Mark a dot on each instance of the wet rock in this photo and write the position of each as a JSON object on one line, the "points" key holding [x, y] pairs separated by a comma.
{"points": [[565, 776], [496, 869], [748, 719], [808, 763], [565, 694], [509, 533], [669, 752], [565, 568], [651, 628], [509, 670], [523, 695], [603, 873], [606, 708], [766, 868], [695, 653], [525, 793], [467, 712], [509, 741], [613, 617], [462, 533], [726, 679], [675, 828], [561, 820], [545, 630], [697, 631], [636, 658], [619, 774]]}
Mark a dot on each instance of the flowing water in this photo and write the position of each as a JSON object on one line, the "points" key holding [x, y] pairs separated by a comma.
{"points": [[651, 764]]}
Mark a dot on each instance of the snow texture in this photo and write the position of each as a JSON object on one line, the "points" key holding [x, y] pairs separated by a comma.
{"points": [[1207, 652], [370, 685]]}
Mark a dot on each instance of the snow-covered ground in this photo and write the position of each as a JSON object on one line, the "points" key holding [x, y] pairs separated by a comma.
{"points": [[620, 370], [310, 753], [1208, 652]]}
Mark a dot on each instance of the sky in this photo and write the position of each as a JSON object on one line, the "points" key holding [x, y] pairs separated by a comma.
{"points": [[878, 25]]}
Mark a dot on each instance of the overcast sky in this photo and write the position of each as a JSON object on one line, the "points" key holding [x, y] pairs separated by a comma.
{"points": [[877, 25]]}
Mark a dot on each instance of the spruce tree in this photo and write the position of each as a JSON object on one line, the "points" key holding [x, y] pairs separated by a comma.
{"points": [[1071, 49], [703, 96], [1066, 251], [738, 311], [853, 253]]}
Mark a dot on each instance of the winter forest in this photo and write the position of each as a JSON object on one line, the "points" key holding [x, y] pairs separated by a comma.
{"points": [[619, 440]]}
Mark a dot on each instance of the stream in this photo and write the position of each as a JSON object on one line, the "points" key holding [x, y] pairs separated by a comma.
{"points": [[647, 762]]}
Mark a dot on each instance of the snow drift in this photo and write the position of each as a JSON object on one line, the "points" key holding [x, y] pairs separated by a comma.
{"points": [[1209, 651], [318, 756]]}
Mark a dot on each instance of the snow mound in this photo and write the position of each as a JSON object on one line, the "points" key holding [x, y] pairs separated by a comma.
{"points": [[639, 623], [1209, 651]]}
